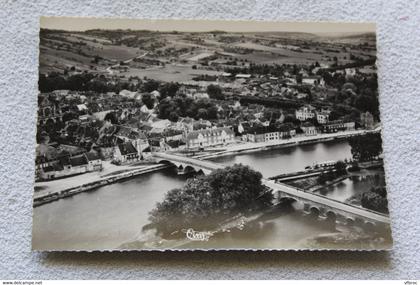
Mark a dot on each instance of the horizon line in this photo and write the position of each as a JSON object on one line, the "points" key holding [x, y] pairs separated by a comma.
{"points": [[185, 25]]}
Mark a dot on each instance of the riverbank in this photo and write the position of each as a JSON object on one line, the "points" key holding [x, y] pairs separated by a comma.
{"points": [[111, 215], [50, 196], [318, 188], [149, 238], [246, 147], [48, 191], [245, 232], [309, 182]]}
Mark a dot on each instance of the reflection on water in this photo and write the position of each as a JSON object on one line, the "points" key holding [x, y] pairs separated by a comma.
{"points": [[278, 161], [288, 229], [103, 218], [114, 214], [349, 187]]}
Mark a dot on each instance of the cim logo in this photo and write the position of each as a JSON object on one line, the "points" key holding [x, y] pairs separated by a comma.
{"points": [[196, 235]]}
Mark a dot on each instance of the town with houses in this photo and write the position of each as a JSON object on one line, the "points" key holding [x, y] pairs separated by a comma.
{"points": [[121, 129], [123, 105]]}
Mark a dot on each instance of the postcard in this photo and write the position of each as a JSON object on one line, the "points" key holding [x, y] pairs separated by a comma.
{"points": [[210, 135]]}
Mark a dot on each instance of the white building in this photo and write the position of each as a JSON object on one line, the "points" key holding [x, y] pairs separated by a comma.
{"points": [[272, 136], [201, 95], [305, 113], [323, 116], [243, 76], [367, 120], [210, 137], [350, 71], [313, 80], [309, 129], [127, 93]]}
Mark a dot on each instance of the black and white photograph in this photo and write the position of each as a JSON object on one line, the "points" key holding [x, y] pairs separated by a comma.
{"points": [[209, 135]]}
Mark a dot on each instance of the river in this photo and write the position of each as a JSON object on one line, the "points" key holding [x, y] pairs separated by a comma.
{"points": [[277, 161], [115, 214]]}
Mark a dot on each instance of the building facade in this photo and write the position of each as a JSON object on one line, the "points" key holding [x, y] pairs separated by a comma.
{"points": [[305, 113], [336, 126], [209, 137], [272, 136], [309, 129], [68, 165], [323, 116], [366, 120], [126, 153]]}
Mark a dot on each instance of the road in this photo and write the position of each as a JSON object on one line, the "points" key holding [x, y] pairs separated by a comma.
{"points": [[109, 68]]}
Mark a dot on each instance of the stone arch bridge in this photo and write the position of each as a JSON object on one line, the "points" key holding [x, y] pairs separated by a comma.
{"points": [[313, 204]]}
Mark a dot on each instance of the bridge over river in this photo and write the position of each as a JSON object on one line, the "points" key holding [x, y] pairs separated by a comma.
{"points": [[314, 204]]}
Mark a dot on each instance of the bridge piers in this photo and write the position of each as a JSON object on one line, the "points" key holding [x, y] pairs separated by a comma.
{"points": [[350, 221], [181, 170], [331, 217], [306, 207], [186, 164], [369, 226], [314, 212], [313, 204]]}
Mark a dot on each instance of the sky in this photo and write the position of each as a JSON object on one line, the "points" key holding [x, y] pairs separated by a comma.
{"points": [[82, 24]]}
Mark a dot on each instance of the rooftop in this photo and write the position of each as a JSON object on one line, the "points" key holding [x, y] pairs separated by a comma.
{"points": [[209, 132], [127, 148]]}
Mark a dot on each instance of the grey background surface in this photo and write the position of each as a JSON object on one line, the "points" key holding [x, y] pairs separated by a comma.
{"points": [[399, 68]]}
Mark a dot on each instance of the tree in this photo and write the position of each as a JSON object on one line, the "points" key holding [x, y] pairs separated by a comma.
{"points": [[168, 90], [215, 92], [374, 201], [111, 117], [206, 201], [354, 167], [212, 112], [322, 178], [340, 168], [202, 113], [366, 147], [184, 106], [68, 116], [173, 116], [334, 115], [368, 103], [379, 190], [299, 78], [326, 176], [96, 59], [148, 100], [150, 85]]}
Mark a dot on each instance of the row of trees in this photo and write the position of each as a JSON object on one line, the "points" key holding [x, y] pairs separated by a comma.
{"points": [[81, 82], [182, 106], [375, 199], [359, 91], [270, 102], [98, 83], [270, 69], [339, 170], [366, 147]]}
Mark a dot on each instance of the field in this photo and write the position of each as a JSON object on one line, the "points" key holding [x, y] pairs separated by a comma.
{"points": [[59, 53], [168, 73], [99, 50]]}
